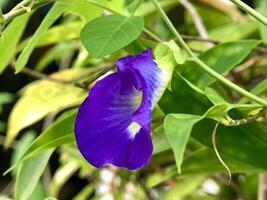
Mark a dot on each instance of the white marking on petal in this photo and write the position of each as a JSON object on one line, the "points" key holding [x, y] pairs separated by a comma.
{"points": [[133, 129]]}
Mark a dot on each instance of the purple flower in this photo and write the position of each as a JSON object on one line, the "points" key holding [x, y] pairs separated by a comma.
{"points": [[113, 123]]}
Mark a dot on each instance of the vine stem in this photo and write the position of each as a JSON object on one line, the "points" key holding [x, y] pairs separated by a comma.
{"points": [[250, 11], [213, 139], [204, 66]]}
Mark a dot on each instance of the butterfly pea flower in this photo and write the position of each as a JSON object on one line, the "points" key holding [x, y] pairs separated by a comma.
{"points": [[113, 123]]}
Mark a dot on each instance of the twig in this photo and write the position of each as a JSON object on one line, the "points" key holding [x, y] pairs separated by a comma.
{"points": [[96, 72], [249, 119], [261, 49], [197, 21], [217, 152], [21, 8], [8, 188], [233, 185]]}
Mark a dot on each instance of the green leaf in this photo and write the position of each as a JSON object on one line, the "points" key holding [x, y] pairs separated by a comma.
{"points": [[155, 179], [244, 143], [260, 88], [38, 193], [56, 34], [58, 133], [160, 142], [169, 52], [107, 34], [21, 146], [234, 31], [222, 58], [85, 9], [220, 111], [10, 37], [29, 174], [55, 53], [147, 7], [6, 97], [214, 96], [54, 13], [185, 185], [197, 162], [184, 97], [42, 97], [178, 128]]}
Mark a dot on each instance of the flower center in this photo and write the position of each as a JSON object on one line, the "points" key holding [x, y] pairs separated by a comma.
{"points": [[133, 129]]}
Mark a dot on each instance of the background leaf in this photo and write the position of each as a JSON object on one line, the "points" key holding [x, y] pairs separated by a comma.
{"points": [[41, 98]]}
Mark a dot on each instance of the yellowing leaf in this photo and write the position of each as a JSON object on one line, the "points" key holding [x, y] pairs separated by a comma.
{"points": [[41, 98]]}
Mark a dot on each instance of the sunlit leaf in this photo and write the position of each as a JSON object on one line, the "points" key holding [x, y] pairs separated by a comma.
{"points": [[41, 98]]}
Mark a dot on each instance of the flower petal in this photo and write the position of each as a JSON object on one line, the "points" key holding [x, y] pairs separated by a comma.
{"points": [[113, 123], [102, 126]]}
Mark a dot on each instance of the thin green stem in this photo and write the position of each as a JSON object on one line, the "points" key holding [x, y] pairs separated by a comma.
{"points": [[250, 11], [152, 35], [204, 66], [228, 83]]}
